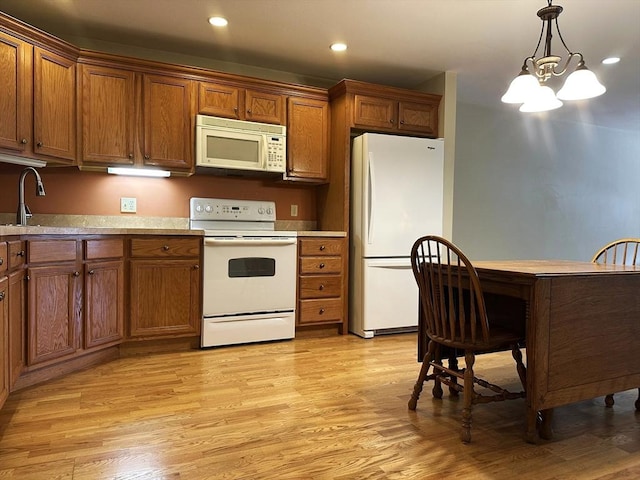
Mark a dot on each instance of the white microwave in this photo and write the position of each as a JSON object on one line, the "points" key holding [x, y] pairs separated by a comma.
{"points": [[228, 144]]}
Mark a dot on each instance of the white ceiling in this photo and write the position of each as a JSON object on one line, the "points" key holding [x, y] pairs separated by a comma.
{"points": [[393, 42]]}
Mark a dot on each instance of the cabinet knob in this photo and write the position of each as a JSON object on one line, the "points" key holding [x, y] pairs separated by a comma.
{"points": [[91, 272], [20, 253], [321, 311], [165, 247], [391, 121], [1, 260], [1, 295], [321, 248], [249, 111], [147, 157], [39, 144], [321, 287], [401, 122], [321, 265], [131, 155], [76, 274], [24, 141], [196, 267]]}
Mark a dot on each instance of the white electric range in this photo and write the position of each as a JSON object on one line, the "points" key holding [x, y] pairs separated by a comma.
{"points": [[249, 273]]}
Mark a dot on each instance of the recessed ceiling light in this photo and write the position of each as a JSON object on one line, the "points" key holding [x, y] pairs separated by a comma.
{"points": [[339, 47], [611, 60], [218, 21]]}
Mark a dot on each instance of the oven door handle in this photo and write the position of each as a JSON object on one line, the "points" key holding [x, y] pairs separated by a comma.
{"points": [[244, 243]]}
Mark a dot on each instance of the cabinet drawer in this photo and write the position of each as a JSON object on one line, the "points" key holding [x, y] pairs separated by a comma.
{"points": [[320, 265], [104, 248], [320, 310], [320, 246], [16, 254], [4, 261], [51, 251], [320, 286], [165, 247]]}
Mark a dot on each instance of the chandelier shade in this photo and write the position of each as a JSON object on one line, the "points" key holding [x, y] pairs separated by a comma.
{"points": [[530, 87]]}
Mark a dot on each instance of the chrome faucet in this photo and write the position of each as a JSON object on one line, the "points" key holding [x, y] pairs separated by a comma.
{"points": [[23, 211]]}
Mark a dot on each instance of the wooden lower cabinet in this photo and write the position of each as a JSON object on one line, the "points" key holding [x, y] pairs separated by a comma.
{"points": [[165, 287], [4, 344], [103, 292], [321, 297], [54, 310], [17, 298]]}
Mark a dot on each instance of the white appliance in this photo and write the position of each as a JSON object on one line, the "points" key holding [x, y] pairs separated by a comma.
{"points": [[396, 197], [249, 273], [236, 145]]}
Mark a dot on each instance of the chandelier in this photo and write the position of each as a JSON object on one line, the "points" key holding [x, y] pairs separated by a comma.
{"points": [[530, 89]]}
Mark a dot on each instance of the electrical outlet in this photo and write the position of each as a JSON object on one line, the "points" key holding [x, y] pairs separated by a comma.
{"points": [[294, 210], [128, 205]]}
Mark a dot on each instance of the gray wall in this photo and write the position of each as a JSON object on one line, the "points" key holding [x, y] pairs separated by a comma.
{"points": [[527, 188]]}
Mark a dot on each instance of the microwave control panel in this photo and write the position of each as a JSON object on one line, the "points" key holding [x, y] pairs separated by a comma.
{"points": [[276, 153]]}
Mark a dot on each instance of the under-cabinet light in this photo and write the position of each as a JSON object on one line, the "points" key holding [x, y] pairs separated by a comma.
{"points": [[138, 172], [29, 162]]}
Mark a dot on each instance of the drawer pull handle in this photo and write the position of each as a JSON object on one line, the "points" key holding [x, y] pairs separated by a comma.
{"points": [[321, 311], [321, 287], [321, 265], [321, 248], [20, 253], [165, 247]]}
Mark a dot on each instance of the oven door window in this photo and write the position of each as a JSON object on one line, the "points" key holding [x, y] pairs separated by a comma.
{"points": [[251, 267]]}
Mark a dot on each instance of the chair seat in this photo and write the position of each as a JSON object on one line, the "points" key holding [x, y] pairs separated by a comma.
{"points": [[500, 338]]}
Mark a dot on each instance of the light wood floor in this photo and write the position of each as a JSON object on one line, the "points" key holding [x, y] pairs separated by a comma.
{"points": [[333, 407]]}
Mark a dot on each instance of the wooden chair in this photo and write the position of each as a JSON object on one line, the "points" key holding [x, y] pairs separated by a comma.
{"points": [[454, 314], [625, 251]]}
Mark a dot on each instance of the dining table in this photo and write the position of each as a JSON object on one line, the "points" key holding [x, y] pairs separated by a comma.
{"points": [[581, 324]]}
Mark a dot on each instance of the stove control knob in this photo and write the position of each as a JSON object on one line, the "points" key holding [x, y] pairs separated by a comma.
{"points": [[208, 209], [198, 208], [269, 210], [261, 211]]}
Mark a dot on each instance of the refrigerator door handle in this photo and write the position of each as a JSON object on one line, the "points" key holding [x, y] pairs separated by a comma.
{"points": [[371, 197]]}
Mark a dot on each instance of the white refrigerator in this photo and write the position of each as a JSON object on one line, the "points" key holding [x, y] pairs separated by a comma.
{"points": [[396, 197]]}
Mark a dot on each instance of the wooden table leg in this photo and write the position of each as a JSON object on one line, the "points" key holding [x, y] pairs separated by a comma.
{"points": [[546, 431]]}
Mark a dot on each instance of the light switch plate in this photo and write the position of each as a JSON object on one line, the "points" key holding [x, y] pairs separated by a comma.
{"points": [[128, 205]]}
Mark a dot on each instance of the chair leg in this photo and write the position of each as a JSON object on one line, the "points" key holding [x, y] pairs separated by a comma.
{"points": [[424, 370], [609, 401], [522, 370], [453, 365], [638, 401], [468, 392]]}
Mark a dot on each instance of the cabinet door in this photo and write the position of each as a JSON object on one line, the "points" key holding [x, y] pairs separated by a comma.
{"points": [[53, 299], [418, 117], [375, 112], [307, 138], [107, 116], [17, 325], [54, 106], [4, 344], [104, 303], [220, 100], [169, 123], [264, 107], [16, 99], [165, 298]]}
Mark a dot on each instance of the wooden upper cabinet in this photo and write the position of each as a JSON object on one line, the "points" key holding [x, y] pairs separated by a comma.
{"points": [[108, 115], [136, 119], [54, 106], [16, 100], [169, 123], [390, 114], [240, 103], [38, 102], [307, 138]]}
